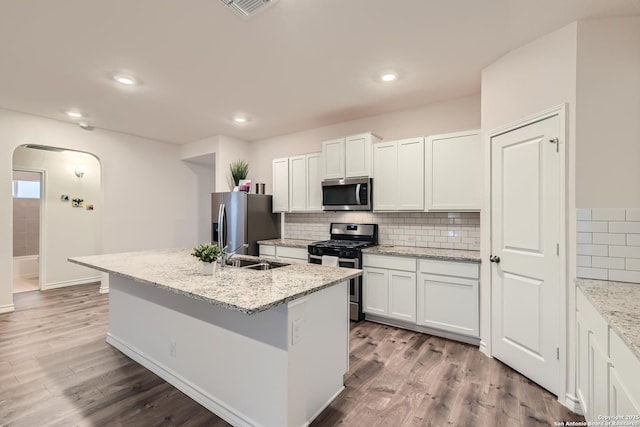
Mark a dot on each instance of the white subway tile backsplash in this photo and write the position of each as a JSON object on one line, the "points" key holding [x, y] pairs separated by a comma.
{"points": [[607, 214], [633, 239], [584, 238], [624, 251], [592, 273], [632, 264], [592, 226], [607, 262], [624, 227], [598, 250], [624, 276], [609, 239], [583, 214], [583, 261], [633, 214]]}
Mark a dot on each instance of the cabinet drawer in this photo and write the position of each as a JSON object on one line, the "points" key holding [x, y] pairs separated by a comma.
{"points": [[389, 262], [286, 252], [267, 250], [593, 320], [450, 268]]}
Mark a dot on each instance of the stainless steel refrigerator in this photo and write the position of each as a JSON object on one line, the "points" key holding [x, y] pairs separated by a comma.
{"points": [[243, 218]]}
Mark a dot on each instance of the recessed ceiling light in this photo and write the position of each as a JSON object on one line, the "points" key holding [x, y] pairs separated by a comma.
{"points": [[74, 114], [125, 80], [240, 119], [388, 76]]}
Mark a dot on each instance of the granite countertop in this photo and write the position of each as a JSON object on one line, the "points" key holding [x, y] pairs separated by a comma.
{"points": [[619, 304], [410, 251], [239, 289], [291, 243]]}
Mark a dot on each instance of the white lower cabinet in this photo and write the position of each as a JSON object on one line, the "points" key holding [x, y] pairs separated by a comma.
{"points": [[389, 287], [607, 370], [284, 253]]}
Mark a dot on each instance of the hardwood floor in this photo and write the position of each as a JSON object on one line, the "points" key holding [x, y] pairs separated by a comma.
{"points": [[57, 370]]}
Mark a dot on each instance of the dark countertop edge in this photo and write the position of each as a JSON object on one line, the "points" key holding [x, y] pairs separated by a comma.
{"points": [[244, 310], [584, 284]]}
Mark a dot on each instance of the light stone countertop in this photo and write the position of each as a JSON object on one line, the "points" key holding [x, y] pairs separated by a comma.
{"points": [[410, 251], [239, 289], [619, 304], [290, 243]]}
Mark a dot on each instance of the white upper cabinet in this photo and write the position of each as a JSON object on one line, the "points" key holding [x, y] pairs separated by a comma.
{"points": [[281, 185], [398, 168], [348, 157], [297, 183], [314, 181], [333, 152], [453, 179]]}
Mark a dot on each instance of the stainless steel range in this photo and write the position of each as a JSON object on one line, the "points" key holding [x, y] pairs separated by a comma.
{"points": [[346, 243]]}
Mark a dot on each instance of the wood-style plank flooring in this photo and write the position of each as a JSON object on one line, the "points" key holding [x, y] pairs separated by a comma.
{"points": [[57, 370]]}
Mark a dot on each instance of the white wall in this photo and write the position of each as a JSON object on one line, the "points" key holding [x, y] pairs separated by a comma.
{"points": [[446, 116], [67, 231], [528, 80], [608, 128], [149, 195]]}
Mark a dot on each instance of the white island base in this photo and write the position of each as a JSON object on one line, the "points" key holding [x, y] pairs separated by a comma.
{"points": [[279, 367]]}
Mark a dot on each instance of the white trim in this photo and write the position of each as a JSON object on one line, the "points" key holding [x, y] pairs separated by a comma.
{"points": [[323, 407], [562, 112], [484, 350], [196, 393], [63, 284], [103, 289], [572, 403], [423, 329], [7, 308]]}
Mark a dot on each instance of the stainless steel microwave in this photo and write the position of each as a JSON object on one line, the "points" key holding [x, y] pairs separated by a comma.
{"points": [[349, 194]]}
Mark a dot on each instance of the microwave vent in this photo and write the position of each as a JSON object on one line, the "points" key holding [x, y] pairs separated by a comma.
{"points": [[247, 7]]}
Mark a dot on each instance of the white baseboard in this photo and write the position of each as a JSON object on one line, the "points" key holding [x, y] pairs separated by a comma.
{"points": [[572, 403], [7, 308], [484, 350], [314, 416], [193, 391], [423, 329], [55, 285], [103, 289]]}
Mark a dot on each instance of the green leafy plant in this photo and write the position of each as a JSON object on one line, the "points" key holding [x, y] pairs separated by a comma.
{"points": [[206, 252], [239, 170]]}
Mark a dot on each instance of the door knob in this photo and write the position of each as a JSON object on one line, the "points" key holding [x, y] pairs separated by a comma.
{"points": [[495, 259]]}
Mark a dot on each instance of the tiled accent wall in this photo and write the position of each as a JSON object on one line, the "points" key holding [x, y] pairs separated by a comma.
{"points": [[26, 227], [451, 230], [608, 244]]}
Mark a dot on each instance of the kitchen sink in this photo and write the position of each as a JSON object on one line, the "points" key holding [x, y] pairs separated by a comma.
{"points": [[254, 264]]}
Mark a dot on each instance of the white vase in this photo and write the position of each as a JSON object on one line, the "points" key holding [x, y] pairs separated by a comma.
{"points": [[208, 268]]}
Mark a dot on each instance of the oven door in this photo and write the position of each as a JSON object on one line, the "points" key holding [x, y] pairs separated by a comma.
{"points": [[355, 285], [352, 194]]}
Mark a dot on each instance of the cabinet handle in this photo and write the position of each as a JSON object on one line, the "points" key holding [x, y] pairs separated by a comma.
{"points": [[495, 259]]}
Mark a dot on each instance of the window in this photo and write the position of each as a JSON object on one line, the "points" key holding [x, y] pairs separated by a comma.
{"points": [[26, 189]]}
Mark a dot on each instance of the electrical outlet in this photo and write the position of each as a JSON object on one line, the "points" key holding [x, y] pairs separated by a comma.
{"points": [[296, 331], [172, 348]]}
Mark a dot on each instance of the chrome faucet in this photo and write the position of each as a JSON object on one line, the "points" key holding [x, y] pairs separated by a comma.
{"points": [[226, 256]]}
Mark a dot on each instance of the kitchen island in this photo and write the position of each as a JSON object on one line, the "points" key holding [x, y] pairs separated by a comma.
{"points": [[263, 348]]}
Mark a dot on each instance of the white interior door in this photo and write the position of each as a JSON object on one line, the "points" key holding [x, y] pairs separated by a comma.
{"points": [[525, 236]]}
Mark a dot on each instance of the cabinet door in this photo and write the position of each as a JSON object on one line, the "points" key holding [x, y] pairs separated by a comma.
{"points": [[297, 184], [402, 295], [385, 169], [449, 304], [453, 171], [621, 401], [314, 179], [333, 155], [410, 184], [281, 185], [599, 376], [582, 362], [375, 289], [358, 156]]}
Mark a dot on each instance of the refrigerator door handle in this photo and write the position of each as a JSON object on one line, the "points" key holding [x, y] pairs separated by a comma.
{"points": [[222, 226]]}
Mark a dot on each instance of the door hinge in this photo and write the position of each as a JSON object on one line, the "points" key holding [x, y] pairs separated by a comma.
{"points": [[558, 249], [557, 142], [558, 353]]}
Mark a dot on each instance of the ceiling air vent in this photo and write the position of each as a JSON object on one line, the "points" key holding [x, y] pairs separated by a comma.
{"points": [[247, 7]]}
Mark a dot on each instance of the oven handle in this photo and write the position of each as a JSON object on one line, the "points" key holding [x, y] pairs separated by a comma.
{"points": [[353, 261]]}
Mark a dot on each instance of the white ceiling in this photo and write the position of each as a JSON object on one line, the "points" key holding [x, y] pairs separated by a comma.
{"points": [[296, 65]]}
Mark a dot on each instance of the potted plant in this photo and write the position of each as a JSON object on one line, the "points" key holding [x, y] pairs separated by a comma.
{"points": [[239, 171], [207, 253]]}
